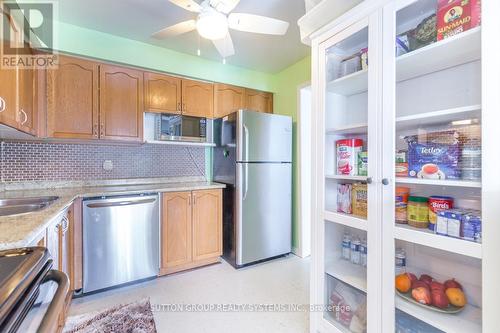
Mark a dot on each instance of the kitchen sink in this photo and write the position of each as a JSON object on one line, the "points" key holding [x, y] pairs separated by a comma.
{"points": [[24, 205]]}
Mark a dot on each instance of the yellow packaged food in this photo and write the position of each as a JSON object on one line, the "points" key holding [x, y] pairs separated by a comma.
{"points": [[360, 200]]}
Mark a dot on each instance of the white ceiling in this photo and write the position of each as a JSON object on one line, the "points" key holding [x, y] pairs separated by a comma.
{"points": [[138, 19]]}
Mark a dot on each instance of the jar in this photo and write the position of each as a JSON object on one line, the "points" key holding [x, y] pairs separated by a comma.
{"points": [[402, 194], [418, 212], [400, 261]]}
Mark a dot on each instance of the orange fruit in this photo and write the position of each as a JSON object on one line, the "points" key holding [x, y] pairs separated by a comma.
{"points": [[403, 283], [456, 296]]}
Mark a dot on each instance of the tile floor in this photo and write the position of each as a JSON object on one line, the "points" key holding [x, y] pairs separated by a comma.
{"points": [[282, 281]]}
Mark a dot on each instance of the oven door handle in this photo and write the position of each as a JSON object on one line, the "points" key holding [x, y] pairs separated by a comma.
{"points": [[57, 304]]}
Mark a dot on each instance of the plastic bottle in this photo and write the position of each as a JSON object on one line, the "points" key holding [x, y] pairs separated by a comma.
{"points": [[346, 247]]}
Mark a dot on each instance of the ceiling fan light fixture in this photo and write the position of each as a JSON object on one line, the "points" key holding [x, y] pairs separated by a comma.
{"points": [[212, 25]]}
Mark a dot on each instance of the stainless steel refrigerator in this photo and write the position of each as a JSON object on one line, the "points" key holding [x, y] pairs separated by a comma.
{"points": [[253, 157]]}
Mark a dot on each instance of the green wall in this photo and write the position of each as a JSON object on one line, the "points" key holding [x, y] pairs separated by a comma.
{"points": [[285, 85], [99, 45]]}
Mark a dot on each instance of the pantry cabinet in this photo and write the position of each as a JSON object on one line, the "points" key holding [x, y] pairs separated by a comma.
{"points": [[197, 98], [120, 103], [402, 112], [73, 99], [162, 93], [227, 99], [191, 227]]}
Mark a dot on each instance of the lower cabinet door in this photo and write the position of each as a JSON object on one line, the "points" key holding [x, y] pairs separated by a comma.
{"points": [[176, 237], [207, 224], [52, 244]]}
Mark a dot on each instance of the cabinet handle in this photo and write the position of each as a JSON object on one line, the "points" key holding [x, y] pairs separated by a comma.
{"points": [[25, 115], [96, 130], [102, 130], [189, 200], [385, 181], [184, 107], [3, 105], [194, 199], [179, 107]]}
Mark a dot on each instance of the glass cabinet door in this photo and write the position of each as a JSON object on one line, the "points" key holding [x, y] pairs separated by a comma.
{"points": [[346, 145], [432, 160]]}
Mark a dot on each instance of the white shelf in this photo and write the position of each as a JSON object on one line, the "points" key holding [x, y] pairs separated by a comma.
{"points": [[459, 49], [438, 117], [351, 84], [347, 272], [466, 321], [428, 238], [350, 129], [439, 182], [180, 143], [346, 220], [346, 177]]}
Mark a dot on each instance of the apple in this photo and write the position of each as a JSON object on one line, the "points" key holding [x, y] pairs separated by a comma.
{"points": [[452, 284], [439, 298], [417, 284], [412, 277], [437, 286], [421, 295], [426, 278]]}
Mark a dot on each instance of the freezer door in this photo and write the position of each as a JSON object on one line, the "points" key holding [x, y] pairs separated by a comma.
{"points": [[264, 211], [263, 137]]}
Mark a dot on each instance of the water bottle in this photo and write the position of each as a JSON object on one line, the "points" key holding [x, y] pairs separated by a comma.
{"points": [[346, 247]]}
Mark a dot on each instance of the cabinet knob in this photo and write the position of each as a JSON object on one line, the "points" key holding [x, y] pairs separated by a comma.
{"points": [[385, 181], [24, 115], [3, 105], [369, 180]]}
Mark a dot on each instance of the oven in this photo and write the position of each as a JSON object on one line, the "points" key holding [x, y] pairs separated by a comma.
{"points": [[32, 294]]}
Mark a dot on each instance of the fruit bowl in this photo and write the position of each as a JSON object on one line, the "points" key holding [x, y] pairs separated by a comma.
{"points": [[449, 309]]}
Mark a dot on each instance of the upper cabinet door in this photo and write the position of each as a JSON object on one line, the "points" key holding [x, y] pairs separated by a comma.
{"points": [[27, 113], [72, 99], [227, 99], [121, 103], [259, 101], [207, 224], [197, 99], [162, 93], [8, 82]]}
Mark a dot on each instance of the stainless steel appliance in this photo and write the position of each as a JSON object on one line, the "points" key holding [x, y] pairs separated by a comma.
{"points": [[120, 240], [253, 158], [32, 294], [181, 128]]}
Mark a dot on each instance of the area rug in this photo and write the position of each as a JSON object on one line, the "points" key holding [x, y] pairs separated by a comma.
{"points": [[134, 317]]}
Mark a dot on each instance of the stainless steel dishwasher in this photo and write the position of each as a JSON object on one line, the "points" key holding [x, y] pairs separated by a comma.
{"points": [[120, 240]]}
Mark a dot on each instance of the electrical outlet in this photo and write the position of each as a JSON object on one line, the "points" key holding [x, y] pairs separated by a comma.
{"points": [[107, 165]]}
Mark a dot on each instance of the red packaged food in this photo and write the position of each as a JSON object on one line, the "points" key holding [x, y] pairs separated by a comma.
{"points": [[456, 16], [347, 156]]}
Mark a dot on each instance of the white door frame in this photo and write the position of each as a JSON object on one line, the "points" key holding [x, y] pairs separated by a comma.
{"points": [[303, 246]]}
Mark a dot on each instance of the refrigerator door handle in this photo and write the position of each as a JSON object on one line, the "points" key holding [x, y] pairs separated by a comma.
{"points": [[244, 170], [245, 142]]}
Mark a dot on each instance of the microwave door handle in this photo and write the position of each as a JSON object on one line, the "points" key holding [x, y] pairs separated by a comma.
{"points": [[57, 304]]}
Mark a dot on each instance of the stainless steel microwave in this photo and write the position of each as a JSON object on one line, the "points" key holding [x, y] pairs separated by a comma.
{"points": [[181, 128]]}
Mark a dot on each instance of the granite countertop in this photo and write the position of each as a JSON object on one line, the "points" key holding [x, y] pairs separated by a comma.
{"points": [[23, 230]]}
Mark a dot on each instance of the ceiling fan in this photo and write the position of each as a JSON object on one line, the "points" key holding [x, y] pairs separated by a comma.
{"points": [[214, 21]]}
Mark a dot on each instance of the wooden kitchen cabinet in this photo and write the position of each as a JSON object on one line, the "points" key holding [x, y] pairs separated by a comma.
{"points": [[28, 112], [72, 99], [176, 235], [260, 101], [227, 99], [162, 93], [207, 226], [197, 99], [121, 103], [191, 230]]}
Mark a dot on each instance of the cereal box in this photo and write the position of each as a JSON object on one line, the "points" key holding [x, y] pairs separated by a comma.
{"points": [[360, 200], [456, 16]]}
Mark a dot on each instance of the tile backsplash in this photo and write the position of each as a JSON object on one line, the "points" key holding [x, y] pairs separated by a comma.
{"points": [[42, 161]]}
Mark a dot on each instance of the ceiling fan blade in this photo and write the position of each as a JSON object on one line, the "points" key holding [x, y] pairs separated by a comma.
{"points": [[190, 5], [257, 24], [224, 6], [176, 29], [224, 46]]}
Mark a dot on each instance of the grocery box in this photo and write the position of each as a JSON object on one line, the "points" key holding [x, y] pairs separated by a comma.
{"points": [[456, 16], [434, 155]]}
